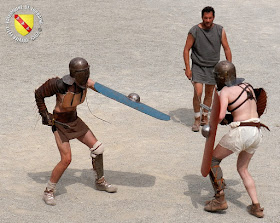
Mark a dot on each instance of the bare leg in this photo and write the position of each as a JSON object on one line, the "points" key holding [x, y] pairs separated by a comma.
{"points": [[221, 152], [88, 139], [208, 95], [65, 153], [207, 101], [242, 168], [198, 87]]}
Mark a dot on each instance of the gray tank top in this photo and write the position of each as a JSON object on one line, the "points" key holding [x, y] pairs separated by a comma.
{"points": [[207, 45]]}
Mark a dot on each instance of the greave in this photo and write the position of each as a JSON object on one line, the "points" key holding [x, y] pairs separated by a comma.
{"points": [[216, 175], [100, 182], [97, 164]]}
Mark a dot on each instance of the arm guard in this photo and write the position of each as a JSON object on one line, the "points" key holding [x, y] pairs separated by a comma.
{"points": [[49, 88]]}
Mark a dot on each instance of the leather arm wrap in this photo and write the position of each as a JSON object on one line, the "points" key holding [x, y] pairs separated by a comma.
{"points": [[49, 88]]}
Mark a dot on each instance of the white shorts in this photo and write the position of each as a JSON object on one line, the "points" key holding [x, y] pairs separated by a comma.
{"points": [[242, 138]]}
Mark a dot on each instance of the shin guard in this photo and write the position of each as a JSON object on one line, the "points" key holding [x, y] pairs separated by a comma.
{"points": [[97, 164], [100, 182], [216, 175]]}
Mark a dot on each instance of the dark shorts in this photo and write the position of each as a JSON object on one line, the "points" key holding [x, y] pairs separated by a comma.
{"points": [[77, 127], [203, 75]]}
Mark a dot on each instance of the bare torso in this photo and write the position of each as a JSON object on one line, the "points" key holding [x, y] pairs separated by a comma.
{"points": [[246, 111]]}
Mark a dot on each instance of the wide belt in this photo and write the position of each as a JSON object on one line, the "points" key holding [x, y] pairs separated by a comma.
{"points": [[254, 124], [65, 117]]}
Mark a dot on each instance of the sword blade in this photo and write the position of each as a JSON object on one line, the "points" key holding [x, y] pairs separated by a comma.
{"points": [[63, 124], [110, 93], [205, 107]]}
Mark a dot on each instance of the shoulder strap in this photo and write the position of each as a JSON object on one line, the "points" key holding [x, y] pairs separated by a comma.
{"points": [[249, 96], [244, 89]]}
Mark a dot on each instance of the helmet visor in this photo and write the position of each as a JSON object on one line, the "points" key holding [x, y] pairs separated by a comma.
{"points": [[81, 78]]}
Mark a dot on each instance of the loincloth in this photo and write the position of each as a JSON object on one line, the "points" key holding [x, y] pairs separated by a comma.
{"points": [[242, 138], [77, 126]]}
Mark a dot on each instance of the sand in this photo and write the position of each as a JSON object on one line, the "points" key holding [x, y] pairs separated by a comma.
{"points": [[132, 46]]}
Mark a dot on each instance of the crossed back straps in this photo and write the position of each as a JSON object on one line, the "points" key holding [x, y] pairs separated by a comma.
{"points": [[250, 96]]}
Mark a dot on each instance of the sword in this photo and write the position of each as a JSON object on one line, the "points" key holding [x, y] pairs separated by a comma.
{"points": [[61, 123], [130, 101]]}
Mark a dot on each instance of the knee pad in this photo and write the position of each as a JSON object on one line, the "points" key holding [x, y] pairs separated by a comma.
{"points": [[216, 175], [96, 149]]}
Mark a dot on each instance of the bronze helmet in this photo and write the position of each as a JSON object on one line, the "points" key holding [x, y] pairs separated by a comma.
{"points": [[79, 70], [225, 74]]}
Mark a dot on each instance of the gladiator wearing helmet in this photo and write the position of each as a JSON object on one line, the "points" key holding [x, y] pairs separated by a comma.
{"points": [[244, 137], [70, 91]]}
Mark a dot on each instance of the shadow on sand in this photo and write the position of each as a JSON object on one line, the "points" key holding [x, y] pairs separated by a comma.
{"points": [[198, 184], [86, 177], [183, 116]]}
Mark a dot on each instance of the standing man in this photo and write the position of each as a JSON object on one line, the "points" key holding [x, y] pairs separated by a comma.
{"points": [[70, 91], [243, 138], [205, 40]]}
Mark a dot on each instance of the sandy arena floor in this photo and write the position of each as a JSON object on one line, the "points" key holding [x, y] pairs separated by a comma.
{"points": [[132, 46]]}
